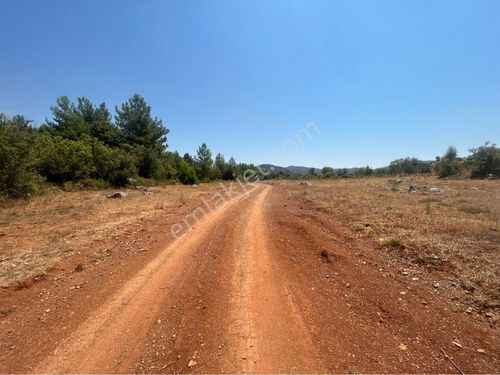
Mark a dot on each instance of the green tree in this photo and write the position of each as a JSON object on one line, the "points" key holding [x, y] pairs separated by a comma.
{"points": [[67, 121], [187, 174], [451, 153], [112, 165], [188, 158], [220, 166], [204, 162], [100, 121], [448, 165], [231, 169], [328, 172], [139, 127], [18, 175], [61, 159], [409, 166], [485, 160]]}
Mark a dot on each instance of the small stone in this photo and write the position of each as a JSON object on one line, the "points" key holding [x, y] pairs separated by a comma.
{"points": [[457, 344], [415, 279], [403, 347], [424, 303], [482, 351], [402, 292], [347, 285], [117, 195], [435, 285], [192, 363], [158, 321], [469, 310], [47, 311]]}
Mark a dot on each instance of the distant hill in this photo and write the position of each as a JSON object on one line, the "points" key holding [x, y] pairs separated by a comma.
{"points": [[300, 170], [292, 169]]}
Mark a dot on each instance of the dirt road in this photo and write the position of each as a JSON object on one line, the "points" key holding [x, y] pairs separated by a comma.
{"points": [[264, 284]]}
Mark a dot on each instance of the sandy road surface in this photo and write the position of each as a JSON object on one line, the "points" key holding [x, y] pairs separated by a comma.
{"points": [[248, 291]]}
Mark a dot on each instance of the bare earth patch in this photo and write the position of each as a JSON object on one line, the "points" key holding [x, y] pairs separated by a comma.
{"points": [[452, 232], [36, 234]]}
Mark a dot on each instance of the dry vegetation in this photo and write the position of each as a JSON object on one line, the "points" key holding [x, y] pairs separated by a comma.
{"points": [[34, 234], [454, 232]]}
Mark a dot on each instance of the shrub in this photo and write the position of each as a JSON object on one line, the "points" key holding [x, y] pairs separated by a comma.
{"points": [[18, 176], [391, 242], [112, 165], [187, 173], [449, 164], [62, 160], [485, 160], [93, 184], [446, 167]]}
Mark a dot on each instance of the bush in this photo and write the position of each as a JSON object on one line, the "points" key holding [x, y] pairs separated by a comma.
{"points": [[18, 176], [391, 242], [187, 173], [449, 164], [62, 160], [93, 184], [446, 167], [112, 164], [485, 160]]}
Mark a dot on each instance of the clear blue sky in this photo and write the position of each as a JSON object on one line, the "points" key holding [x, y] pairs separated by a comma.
{"points": [[381, 79]]}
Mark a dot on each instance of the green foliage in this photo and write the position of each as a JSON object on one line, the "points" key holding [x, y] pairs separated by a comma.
{"points": [[62, 159], [363, 172], [188, 158], [328, 172], [451, 153], [187, 173], [204, 162], [485, 160], [220, 167], [86, 184], [67, 120], [409, 166], [449, 164], [231, 170], [112, 165], [18, 176], [81, 147], [139, 127]]}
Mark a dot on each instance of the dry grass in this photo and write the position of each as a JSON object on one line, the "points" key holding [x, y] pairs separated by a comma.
{"points": [[454, 231], [34, 234]]}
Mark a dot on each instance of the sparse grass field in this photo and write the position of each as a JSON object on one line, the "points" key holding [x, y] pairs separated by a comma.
{"points": [[36, 233], [455, 231]]}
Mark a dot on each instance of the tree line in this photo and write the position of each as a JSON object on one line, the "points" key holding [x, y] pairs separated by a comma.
{"points": [[82, 145], [483, 161]]}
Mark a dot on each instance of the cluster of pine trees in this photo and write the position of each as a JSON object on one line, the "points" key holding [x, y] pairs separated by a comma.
{"points": [[82, 145]]}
